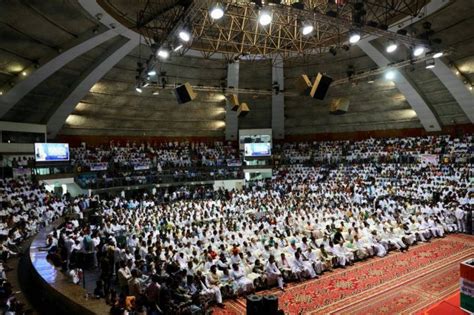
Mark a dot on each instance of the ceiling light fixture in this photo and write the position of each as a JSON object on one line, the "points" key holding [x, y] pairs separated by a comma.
{"points": [[151, 72], [217, 12], [163, 53], [264, 18], [185, 36], [430, 63], [390, 75], [138, 89], [354, 37], [307, 29], [418, 51], [438, 54], [178, 47], [392, 46]]}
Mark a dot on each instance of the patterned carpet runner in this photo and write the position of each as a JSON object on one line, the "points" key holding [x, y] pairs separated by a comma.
{"points": [[398, 283]]}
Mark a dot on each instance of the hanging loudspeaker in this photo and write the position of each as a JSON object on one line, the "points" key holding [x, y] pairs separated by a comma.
{"points": [[234, 101], [320, 86], [243, 110], [339, 106], [184, 93]]}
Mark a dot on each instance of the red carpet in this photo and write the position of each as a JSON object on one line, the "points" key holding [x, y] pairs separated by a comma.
{"points": [[398, 283]]}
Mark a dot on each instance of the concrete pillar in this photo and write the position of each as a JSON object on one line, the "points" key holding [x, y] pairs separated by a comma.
{"points": [[231, 119], [278, 99]]}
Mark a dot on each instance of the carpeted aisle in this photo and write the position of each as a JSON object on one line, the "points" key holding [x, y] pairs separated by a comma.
{"points": [[398, 283]]}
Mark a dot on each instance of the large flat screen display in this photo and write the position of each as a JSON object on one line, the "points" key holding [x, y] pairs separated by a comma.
{"points": [[258, 149], [51, 152]]}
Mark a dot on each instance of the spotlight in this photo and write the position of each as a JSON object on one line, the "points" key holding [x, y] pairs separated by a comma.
{"points": [[354, 37], [418, 51], [217, 12], [24, 73], [392, 46], [371, 81], [390, 75], [457, 72], [264, 18], [178, 47], [151, 73], [163, 53], [138, 89], [470, 88], [184, 36], [157, 92], [430, 63], [438, 54], [307, 29]]}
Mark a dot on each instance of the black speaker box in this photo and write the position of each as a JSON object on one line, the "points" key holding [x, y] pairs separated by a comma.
{"points": [[270, 304], [255, 305], [184, 93], [320, 86]]}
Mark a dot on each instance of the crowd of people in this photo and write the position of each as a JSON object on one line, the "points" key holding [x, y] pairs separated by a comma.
{"points": [[140, 164], [186, 253], [382, 150], [25, 207], [328, 205], [161, 156]]}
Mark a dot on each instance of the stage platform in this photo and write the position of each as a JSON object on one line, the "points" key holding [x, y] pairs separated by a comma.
{"points": [[57, 294]]}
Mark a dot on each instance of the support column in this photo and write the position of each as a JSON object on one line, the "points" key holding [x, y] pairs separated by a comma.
{"points": [[414, 98], [231, 119], [278, 99], [87, 80]]}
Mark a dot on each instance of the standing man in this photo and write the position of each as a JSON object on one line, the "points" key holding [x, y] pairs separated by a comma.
{"points": [[460, 219]]}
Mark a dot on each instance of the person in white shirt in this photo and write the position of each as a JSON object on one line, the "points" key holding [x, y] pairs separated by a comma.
{"points": [[460, 219], [243, 284], [273, 273]]}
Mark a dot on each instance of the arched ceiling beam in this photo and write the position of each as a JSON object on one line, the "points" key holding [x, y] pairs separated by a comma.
{"points": [[414, 98], [84, 83], [456, 87], [23, 87]]}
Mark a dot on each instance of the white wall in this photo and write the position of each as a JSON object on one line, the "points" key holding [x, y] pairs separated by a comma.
{"points": [[17, 148], [20, 127], [229, 184]]}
